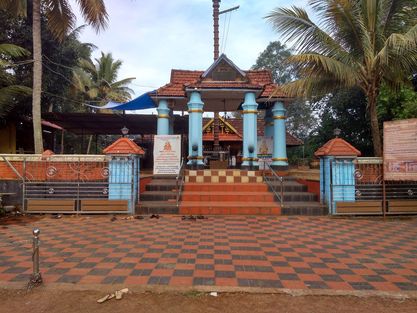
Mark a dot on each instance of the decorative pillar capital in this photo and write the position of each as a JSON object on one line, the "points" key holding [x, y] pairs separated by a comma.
{"points": [[195, 102], [163, 108], [278, 109], [250, 105]]}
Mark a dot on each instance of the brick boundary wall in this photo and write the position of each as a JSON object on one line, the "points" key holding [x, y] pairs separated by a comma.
{"points": [[55, 168]]}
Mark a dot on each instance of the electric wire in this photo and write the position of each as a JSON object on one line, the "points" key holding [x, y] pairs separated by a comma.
{"points": [[15, 64], [223, 32], [58, 64], [68, 99], [227, 31]]}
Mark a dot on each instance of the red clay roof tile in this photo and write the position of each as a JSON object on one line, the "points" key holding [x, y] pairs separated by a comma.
{"points": [[123, 146], [337, 147], [180, 79]]}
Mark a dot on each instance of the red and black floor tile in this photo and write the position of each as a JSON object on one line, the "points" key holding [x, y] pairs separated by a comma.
{"points": [[271, 252]]}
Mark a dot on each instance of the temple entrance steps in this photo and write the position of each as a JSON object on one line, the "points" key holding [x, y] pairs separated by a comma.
{"points": [[297, 200], [227, 192], [159, 196], [228, 199]]}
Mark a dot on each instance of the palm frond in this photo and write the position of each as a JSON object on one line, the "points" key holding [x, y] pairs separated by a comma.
{"points": [[81, 81], [400, 50], [397, 15], [119, 96], [15, 7], [314, 65], [8, 96], [123, 82], [88, 66], [12, 50], [310, 87], [338, 18], [296, 27], [94, 12], [60, 17]]}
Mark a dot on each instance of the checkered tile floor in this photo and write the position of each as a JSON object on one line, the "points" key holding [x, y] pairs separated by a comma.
{"points": [[283, 252], [223, 176]]}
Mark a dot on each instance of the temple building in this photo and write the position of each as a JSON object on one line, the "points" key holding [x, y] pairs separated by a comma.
{"points": [[224, 87]]}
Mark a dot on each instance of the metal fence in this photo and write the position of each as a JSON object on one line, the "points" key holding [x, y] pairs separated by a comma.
{"points": [[71, 183], [358, 187]]}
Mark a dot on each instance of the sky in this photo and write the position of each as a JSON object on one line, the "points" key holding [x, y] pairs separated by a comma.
{"points": [[152, 37]]}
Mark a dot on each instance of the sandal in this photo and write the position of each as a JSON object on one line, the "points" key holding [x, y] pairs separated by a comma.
{"points": [[119, 294], [105, 298]]}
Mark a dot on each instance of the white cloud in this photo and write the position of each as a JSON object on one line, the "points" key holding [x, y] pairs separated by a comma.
{"points": [[152, 37]]}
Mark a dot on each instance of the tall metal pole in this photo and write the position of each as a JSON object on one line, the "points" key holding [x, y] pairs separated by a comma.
{"points": [[216, 7]]}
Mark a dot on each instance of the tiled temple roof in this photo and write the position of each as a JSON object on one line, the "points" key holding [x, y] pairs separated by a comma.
{"points": [[182, 79]]}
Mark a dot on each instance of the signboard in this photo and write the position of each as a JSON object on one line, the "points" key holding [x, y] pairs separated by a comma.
{"points": [[400, 150], [265, 149], [166, 154]]}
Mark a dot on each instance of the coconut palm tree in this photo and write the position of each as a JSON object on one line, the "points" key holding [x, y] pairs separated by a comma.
{"points": [[361, 43], [98, 82], [60, 20], [9, 90]]}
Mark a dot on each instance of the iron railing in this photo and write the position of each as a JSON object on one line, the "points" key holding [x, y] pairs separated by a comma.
{"points": [[71, 177], [366, 183], [180, 181], [275, 182]]}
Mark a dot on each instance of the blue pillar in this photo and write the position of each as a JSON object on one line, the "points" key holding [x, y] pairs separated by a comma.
{"points": [[163, 117], [269, 124], [326, 180], [195, 130], [279, 155], [124, 179], [250, 132], [343, 182]]}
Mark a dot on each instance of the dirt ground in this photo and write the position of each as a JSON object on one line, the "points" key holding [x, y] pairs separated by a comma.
{"points": [[63, 301]]}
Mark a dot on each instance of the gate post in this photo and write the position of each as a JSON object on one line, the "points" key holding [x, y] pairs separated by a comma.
{"points": [[124, 171], [337, 172]]}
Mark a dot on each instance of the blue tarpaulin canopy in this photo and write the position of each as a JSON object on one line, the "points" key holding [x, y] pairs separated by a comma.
{"points": [[140, 103]]}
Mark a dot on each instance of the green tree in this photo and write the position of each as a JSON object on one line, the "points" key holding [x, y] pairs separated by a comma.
{"points": [[398, 105], [9, 89], [346, 110], [273, 59], [97, 83], [60, 20], [300, 120], [58, 58], [360, 43]]}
